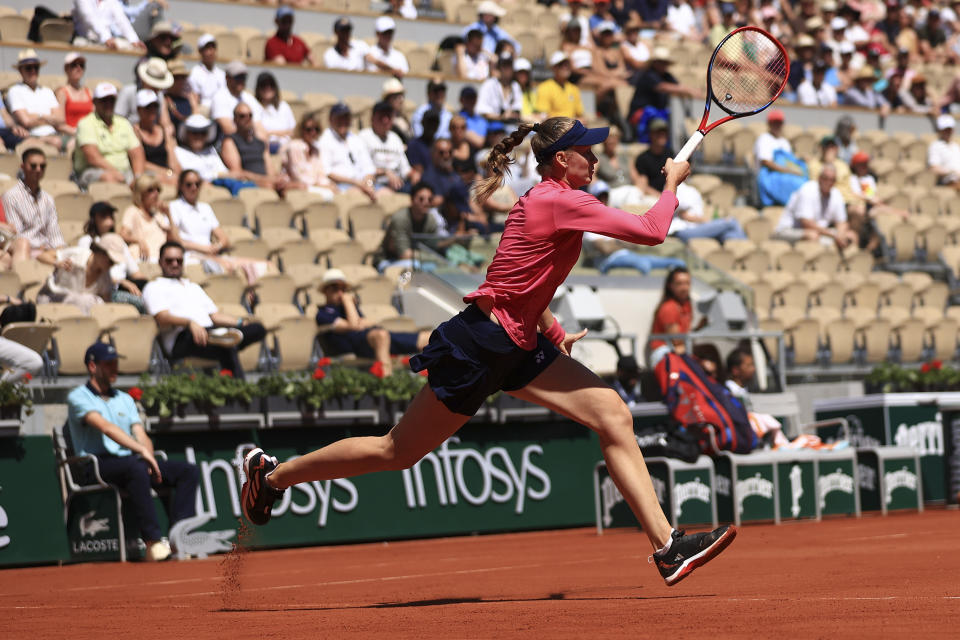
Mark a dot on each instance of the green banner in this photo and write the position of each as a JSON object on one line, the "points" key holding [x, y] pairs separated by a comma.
{"points": [[486, 478], [797, 489], [31, 510], [835, 487]]}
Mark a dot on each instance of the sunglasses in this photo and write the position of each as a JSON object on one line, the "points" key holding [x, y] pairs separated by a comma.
{"points": [[37, 166], [311, 129], [191, 184], [244, 116], [82, 65], [30, 67], [173, 260], [153, 190], [336, 287]]}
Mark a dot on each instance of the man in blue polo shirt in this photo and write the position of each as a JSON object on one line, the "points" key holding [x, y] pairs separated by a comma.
{"points": [[105, 422]]}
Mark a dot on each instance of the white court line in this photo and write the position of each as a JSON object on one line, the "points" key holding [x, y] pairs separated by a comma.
{"points": [[886, 537]]}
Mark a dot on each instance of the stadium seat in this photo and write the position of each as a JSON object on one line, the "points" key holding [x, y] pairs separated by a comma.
{"points": [[275, 288], [900, 295], [399, 324], [894, 315], [56, 311], [133, 336], [874, 340], [721, 259], [254, 248], [703, 246], [108, 313], [10, 284], [909, 334], [325, 239], [224, 288], [364, 217], [318, 215], [271, 214], [802, 339], [756, 261], [358, 272], [865, 296], [294, 338], [794, 294], [942, 339], [71, 342], [73, 206], [758, 230], [792, 261], [275, 237], [345, 253], [296, 252], [839, 340], [229, 212], [35, 335]]}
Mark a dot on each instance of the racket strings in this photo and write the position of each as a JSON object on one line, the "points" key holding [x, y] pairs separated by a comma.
{"points": [[747, 73]]}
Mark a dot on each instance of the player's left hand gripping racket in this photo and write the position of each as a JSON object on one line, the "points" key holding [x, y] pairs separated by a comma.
{"points": [[747, 73]]}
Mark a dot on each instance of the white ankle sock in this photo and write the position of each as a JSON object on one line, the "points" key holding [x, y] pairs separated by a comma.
{"points": [[666, 547]]}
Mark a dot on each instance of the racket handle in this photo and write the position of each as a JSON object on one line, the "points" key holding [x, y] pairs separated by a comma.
{"points": [[689, 148]]}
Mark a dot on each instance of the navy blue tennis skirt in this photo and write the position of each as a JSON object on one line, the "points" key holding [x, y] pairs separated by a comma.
{"points": [[469, 357]]}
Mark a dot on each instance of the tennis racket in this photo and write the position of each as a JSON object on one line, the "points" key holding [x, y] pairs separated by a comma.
{"points": [[747, 73]]}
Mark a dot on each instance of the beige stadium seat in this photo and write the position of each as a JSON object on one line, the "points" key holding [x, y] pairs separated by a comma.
{"points": [[895, 315], [255, 46], [859, 317], [825, 315], [874, 340], [276, 288], [759, 230], [918, 280], [932, 240], [721, 259], [196, 273], [859, 262], [251, 248], [772, 213], [277, 236], [369, 239], [903, 238], [251, 197], [884, 279], [865, 296], [794, 294], [297, 252], [703, 246], [756, 261], [376, 290], [344, 253], [224, 288], [826, 262], [133, 337], [73, 206], [909, 335], [951, 258], [273, 214], [236, 233], [363, 217], [72, 340], [809, 248], [58, 168], [839, 335], [35, 335], [803, 339], [929, 315], [150, 270], [55, 311], [271, 313], [71, 230], [792, 261], [319, 215], [10, 284], [325, 239], [771, 324], [804, 145], [229, 212], [722, 196], [108, 313], [376, 313], [358, 272], [743, 213], [33, 274], [305, 276], [942, 338], [935, 295], [778, 279], [106, 190], [399, 324], [788, 315], [294, 338], [420, 60], [741, 247], [829, 294], [899, 295], [14, 28]]}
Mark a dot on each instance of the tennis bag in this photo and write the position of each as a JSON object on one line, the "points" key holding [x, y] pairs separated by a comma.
{"points": [[698, 403]]}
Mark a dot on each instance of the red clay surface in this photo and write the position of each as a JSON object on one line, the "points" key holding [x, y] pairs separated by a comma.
{"points": [[892, 577]]}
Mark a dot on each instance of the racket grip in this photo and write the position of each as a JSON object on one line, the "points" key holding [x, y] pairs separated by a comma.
{"points": [[689, 148]]}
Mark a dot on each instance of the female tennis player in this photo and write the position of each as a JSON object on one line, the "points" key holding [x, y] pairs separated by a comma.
{"points": [[507, 339]]}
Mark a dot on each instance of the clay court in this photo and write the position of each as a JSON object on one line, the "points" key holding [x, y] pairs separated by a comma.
{"points": [[873, 577]]}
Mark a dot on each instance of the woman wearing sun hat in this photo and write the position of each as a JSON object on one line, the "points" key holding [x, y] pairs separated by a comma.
{"points": [[507, 339]]}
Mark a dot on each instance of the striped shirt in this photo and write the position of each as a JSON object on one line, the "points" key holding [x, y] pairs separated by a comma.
{"points": [[34, 218]]}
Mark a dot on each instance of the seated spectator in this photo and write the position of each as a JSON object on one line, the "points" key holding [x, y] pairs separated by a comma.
{"points": [[574, 37], [636, 53], [125, 274], [303, 162], [829, 151], [916, 99], [682, 21], [893, 93], [206, 78], [33, 107], [862, 93], [145, 224], [558, 96], [500, 98], [470, 60], [284, 47], [144, 15], [436, 100], [382, 56], [104, 22], [607, 73], [399, 241], [451, 196], [623, 180], [522, 69], [464, 150], [386, 149], [82, 275], [402, 8], [180, 100], [491, 34], [627, 382], [20, 362], [30, 210], [779, 171], [345, 156], [247, 156], [350, 332], [843, 132], [107, 147], [160, 42], [816, 211], [159, 149], [346, 54], [11, 134], [194, 225], [654, 87], [74, 99], [196, 151], [708, 357], [720, 30], [674, 315], [418, 150], [815, 92], [477, 125], [740, 372], [278, 121], [153, 74], [394, 93], [186, 317], [105, 422], [943, 154], [932, 38], [226, 100]]}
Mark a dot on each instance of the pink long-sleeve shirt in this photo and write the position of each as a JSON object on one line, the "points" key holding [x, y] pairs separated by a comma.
{"points": [[541, 243]]}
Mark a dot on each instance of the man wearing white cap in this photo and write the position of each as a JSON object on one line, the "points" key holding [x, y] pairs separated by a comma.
{"points": [[346, 54], [682, 21], [383, 56], [943, 154], [227, 99], [33, 107], [107, 147], [284, 47], [558, 96], [207, 78], [488, 13], [104, 22]]}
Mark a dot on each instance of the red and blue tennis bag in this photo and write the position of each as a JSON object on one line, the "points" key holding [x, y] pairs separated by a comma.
{"points": [[695, 401]]}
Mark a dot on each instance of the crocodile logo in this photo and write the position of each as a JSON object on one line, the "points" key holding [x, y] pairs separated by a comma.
{"points": [[188, 541], [90, 526]]}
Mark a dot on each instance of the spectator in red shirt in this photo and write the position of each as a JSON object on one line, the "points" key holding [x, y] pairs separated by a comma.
{"points": [[674, 314], [284, 47]]}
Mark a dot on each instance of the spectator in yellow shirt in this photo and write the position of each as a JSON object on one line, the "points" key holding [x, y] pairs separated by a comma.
{"points": [[558, 96]]}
